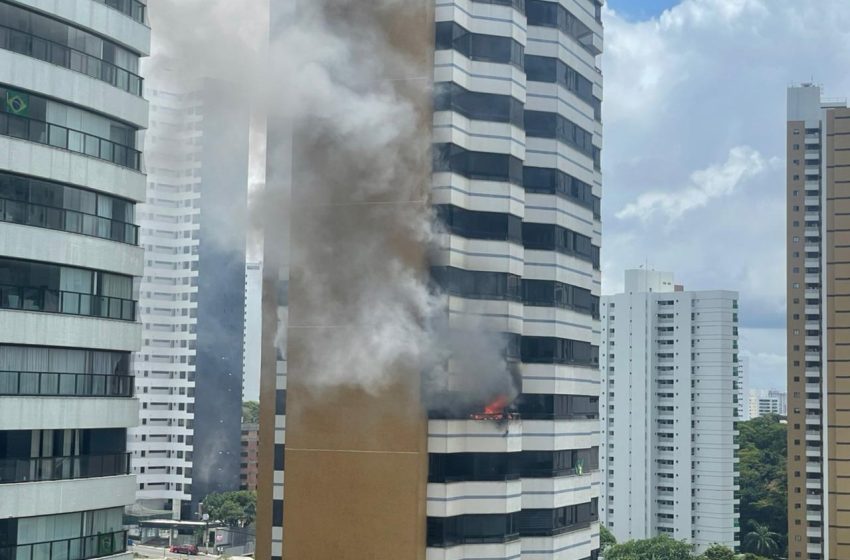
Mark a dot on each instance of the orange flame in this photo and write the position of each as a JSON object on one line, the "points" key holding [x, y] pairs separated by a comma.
{"points": [[496, 407]]}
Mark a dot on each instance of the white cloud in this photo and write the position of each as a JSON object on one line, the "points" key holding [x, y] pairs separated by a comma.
{"points": [[715, 181], [694, 115]]}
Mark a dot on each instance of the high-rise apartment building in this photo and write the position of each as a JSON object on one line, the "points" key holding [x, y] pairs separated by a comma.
{"points": [[253, 331], [818, 137], [517, 184], [71, 110], [760, 403], [669, 363], [191, 300], [249, 456]]}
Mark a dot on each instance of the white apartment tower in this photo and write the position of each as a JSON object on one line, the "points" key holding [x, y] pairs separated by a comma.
{"points": [[71, 174], [191, 300], [669, 363], [760, 403]]}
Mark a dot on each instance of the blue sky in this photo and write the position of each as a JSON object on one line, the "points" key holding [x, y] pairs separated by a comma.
{"points": [[640, 9]]}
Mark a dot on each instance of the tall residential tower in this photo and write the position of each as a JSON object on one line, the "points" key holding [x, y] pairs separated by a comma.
{"points": [[71, 112], [669, 406], [192, 296], [818, 136], [517, 133]]}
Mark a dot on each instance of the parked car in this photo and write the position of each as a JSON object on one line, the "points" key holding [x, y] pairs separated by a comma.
{"points": [[184, 549]]}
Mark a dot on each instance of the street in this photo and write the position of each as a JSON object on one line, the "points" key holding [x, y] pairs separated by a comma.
{"points": [[156, 552]]}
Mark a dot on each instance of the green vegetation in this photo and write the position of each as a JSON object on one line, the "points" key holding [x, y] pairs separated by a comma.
{"points": [[718, 552], [656, 548], [237, 509], [764, 486], [606, 538], [250, 412]]}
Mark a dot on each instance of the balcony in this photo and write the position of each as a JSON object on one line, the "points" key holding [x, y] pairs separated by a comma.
{"points": [[78, 61], [42, 384], [70, 221], [130, 8], [80, 548], [42, 132], [28, 298], [63, 468]]}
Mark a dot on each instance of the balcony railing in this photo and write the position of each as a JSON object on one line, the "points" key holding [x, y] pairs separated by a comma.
{"points": [[63, 468], [61, 55], [62, 219], [131, 8], [57, 136], [80, 548], [27, 298], [44, 384]]}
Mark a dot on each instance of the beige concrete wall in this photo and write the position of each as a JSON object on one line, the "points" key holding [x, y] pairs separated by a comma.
{"points": [[837, 216]]}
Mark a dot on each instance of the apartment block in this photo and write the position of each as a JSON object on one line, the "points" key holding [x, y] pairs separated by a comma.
{"points": [[669, 406], [192, 295], [71, 176], [818, 138]]}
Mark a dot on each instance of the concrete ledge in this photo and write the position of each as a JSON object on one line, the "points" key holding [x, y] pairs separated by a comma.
{"points": [[46, 162], [71, 413], [66, 496], [77, 88], [70, 331], [72, 249]]}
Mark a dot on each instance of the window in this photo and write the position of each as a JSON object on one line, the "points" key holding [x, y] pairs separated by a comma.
{"points": [[46, 204], [478, 106], [483, 166], [553, 70], [32, 286], [480, 225], [39, 36], [472, 528], [475, 46], [547, 350], [45, 121]]}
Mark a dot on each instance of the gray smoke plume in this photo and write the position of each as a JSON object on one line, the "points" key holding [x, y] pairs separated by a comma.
{"points": [[335, 77]]}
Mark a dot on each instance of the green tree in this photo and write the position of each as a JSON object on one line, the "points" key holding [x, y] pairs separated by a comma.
{"points": [[763, 478], [718, 552], [761, 539], [233, 508], [657, 548], [250, 412], [606, 538]]}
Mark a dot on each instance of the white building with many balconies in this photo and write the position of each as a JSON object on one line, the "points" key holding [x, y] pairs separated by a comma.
{"points": [[669, 363]]}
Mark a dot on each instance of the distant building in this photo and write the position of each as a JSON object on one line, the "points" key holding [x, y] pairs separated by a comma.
{"points": [[253, 331], [669, 364], [818, 175], [760, 403], [192, 296], [248, 456]]}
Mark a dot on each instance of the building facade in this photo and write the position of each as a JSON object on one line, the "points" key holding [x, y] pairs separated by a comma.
{"points": [[248, 456], [191, 304], [71, 174], [818, 135], [253, 331], [669, 364], [517, 184], [760, 403]]}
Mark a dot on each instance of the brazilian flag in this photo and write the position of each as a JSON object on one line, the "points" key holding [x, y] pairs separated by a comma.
{"points": [[17, 103]]}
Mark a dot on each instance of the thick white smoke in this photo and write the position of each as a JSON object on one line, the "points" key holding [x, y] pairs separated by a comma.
{"points": [[335, 77]]}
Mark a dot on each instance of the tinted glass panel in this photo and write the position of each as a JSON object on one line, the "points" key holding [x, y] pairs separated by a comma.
{"points": [[482, 166], [474, 284], [542, 124], [478, 106], [475, 46], [555, 71], [550, 350], [480, 225]]}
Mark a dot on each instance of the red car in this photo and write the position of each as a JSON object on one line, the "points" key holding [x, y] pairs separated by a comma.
{"points": [[184, 549]]}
